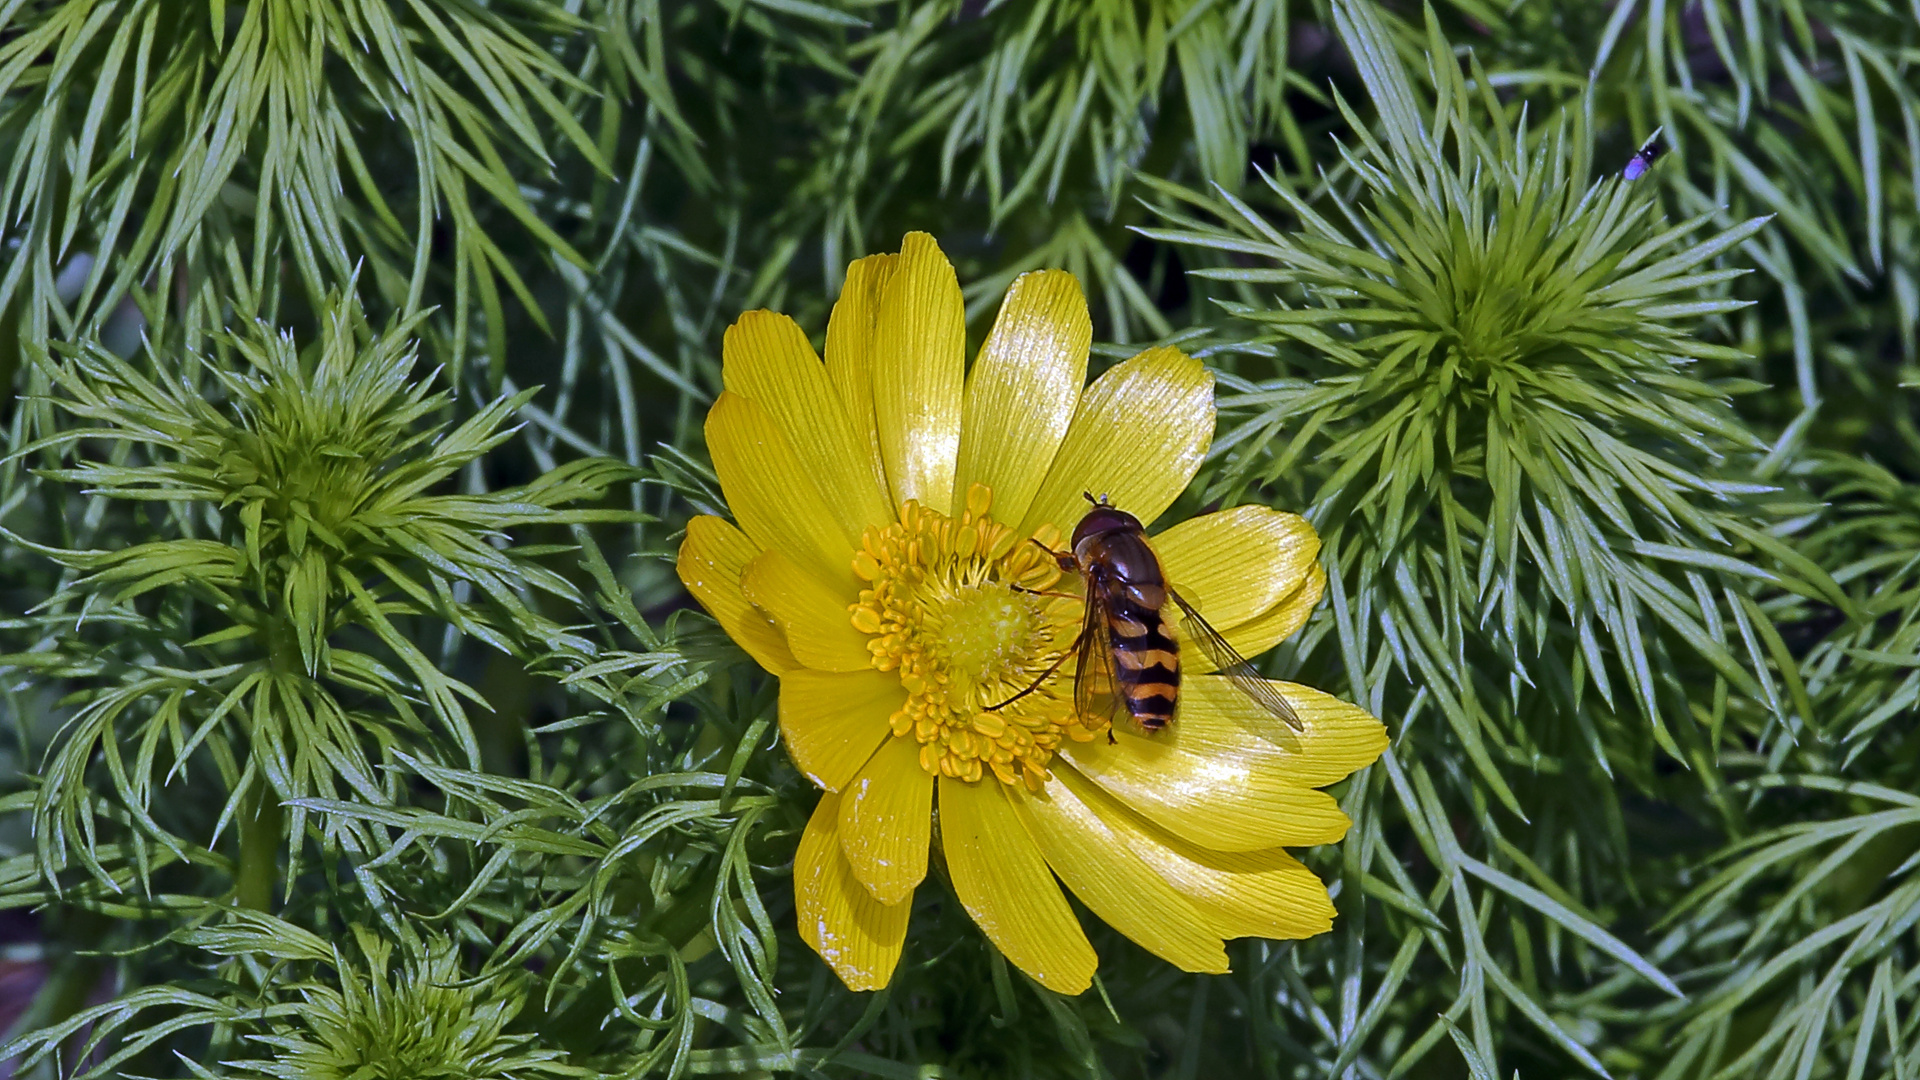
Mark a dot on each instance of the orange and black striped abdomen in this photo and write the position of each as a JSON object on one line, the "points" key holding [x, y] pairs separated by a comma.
{"points": [[1146, 661]]}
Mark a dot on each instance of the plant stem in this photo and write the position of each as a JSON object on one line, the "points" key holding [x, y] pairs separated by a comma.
{"points": [[262, 822]]}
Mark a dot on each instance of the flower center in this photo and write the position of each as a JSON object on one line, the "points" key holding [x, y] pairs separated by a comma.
{"points": [[955, 606]]}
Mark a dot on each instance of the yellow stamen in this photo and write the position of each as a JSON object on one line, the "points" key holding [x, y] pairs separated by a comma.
{"points": [[945, 608]]}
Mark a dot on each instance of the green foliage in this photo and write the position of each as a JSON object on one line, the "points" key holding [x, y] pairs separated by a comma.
{"points": [[1044, 86], [301, 494], [362, 730], [373, 1021], [1497, 378], [420, 1023], [237, 135]]}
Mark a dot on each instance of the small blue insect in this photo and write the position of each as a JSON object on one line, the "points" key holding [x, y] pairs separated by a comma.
{"points": [[1644, 158]]}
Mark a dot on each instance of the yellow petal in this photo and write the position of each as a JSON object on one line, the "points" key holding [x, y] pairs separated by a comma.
{"points": [[1246, 893], [1095, 858], [1137, 437], [766, 357], [1004, 883], [1212, 782], [1339, 737], [1252, 573], [886, 821], [710, 562], [919, 357], [1277, 625], [1237, 566], [832, 723], [850, 352], [1236, 893], [1022, 390], [858, 936], [772, 495], [814, 619]]}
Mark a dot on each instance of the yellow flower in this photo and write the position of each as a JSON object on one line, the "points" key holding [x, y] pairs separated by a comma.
{"points": [[886, 500]]}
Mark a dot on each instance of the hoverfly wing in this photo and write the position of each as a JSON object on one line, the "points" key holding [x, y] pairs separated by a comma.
{"points": [[1235, 667], [1094, 676]]}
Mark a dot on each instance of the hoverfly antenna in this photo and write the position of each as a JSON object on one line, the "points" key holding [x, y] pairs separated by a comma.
{"points": [[1101, 501]]}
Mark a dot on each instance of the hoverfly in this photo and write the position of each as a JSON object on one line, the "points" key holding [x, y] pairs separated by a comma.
{"points": [[1643, 159], [1125, 642]]}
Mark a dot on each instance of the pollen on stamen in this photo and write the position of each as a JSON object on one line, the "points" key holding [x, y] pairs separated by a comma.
{"points": [[953, 605]]}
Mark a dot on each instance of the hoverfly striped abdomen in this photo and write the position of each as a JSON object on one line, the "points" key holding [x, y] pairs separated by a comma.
{"points": [[1146, 664], [1124, 579]]}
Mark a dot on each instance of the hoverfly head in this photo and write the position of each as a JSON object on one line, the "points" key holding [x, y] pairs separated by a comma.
{"points": [[1104, 518]]}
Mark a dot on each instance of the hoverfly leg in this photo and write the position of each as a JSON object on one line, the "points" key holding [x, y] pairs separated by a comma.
{"points": [[1041, 592], [1064, 558], [1044, 676], [1035, 685]]}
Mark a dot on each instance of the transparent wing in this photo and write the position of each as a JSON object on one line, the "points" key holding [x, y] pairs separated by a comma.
{"points": [[1234, 666], [1093, 674]]}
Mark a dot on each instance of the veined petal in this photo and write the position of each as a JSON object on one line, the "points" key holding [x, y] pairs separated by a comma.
{"points": [[814, 619], [1137, 437], [832, 723], [886, 821], [1279, 623], [1236, 565], [1236, 893], [1245, 893], [919, 359], [850, 352], [771, 493], [1022, 390], [1004, 883], [1339, 737], [1231, 803], [766, 357], [1212, 782], [858, 936], [1095, 858], [711, 559]]}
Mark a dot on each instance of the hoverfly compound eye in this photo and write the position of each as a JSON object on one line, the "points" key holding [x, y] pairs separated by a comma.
{"points": [[1104, 518]]}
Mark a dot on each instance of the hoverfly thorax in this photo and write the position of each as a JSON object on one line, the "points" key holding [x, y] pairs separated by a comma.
{"points": [[1113, 544]]}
